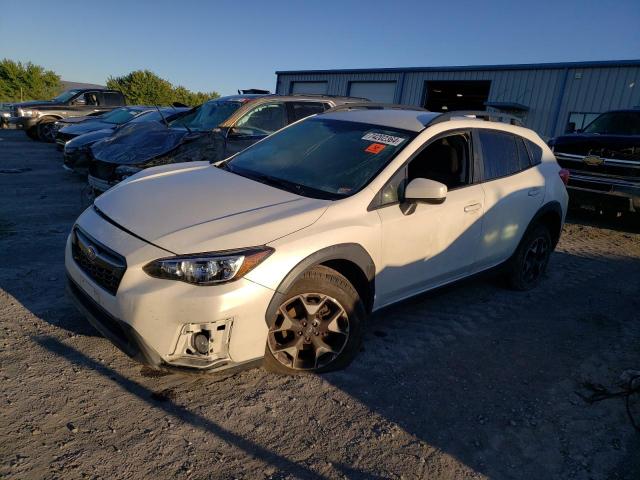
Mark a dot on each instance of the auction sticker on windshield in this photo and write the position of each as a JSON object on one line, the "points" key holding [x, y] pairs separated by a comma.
{"points": [[383, 138]]}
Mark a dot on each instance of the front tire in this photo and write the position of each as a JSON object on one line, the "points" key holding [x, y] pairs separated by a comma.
{"points": [[529, 263], [318, 327]]}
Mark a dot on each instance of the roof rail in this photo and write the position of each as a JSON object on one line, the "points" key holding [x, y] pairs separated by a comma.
{"points": [[321, 95], [479, 114], [373, 106]]}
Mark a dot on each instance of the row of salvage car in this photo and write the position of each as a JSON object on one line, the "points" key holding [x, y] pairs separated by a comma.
{"points": [[113, 146]]}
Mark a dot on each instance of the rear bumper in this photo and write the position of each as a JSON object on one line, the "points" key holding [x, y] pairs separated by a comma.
{"points": [[618, 193]]}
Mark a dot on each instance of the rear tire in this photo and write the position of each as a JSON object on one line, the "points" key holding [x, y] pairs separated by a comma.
{"points": [[318, 327], [46, 132], [529, 263]]}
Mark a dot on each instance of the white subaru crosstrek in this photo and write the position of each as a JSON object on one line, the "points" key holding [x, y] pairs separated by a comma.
{"points": [[281, 252]]}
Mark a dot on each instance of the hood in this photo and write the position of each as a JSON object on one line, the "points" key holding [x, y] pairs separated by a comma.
{"points": [[34, 103], [617, 147], [87, 139], [86, 126], [73, 120], [196, 207], [138, 143]]}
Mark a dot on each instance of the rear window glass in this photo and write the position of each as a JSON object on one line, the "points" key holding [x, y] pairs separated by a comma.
{"points": [[499, 154]]}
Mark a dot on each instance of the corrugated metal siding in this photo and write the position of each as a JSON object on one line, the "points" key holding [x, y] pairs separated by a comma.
{"points": [[599, 89]]}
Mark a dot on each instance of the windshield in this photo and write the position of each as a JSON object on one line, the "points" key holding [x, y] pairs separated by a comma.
{"points": [[321, 157], [207, 116], [65, 96], [150, 116], [615, 123], [119, 115]]}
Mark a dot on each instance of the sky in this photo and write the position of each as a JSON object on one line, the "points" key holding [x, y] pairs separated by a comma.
{"points": [[226, 45]]}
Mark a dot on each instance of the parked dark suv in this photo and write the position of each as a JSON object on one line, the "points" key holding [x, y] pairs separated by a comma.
{"points": [[215, 130], [604, 162], [37, 117]]}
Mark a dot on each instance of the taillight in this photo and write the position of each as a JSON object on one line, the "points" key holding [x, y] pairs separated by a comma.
{"points": [[564, 175]]}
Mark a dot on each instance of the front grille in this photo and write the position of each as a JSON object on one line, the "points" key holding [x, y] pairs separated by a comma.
{"points": [[102, 264], [102, 170], [629, 170]]}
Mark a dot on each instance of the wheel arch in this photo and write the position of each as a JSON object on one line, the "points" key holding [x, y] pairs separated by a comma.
{"points": [[550, 215], [349, 259]]}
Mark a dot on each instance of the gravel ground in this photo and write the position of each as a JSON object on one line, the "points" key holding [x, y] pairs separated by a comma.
{"points": [[472, 381]]}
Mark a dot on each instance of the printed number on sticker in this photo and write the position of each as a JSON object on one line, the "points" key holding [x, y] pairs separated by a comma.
{"points": [[382, 138]]}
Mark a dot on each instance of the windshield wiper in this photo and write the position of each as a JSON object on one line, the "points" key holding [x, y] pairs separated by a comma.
{"points": [[286, 185]]}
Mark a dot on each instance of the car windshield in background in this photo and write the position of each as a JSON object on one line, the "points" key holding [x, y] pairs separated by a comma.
{"points": [[150, 116], [119, 115], [64, 96], [615, 123], [208, 116], [321, 158]]}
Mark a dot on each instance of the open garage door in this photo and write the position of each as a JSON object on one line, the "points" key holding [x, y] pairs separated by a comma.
{"points": [[446, 96], [309, 87], [383, 92]]}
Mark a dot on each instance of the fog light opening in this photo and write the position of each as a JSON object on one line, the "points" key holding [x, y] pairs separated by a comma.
{"points": [[201, 343]]}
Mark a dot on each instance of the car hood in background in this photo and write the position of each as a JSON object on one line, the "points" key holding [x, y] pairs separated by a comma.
{"points": [[617, 147], [87, 139], [86, 126], [196, 207], [140, 142]]}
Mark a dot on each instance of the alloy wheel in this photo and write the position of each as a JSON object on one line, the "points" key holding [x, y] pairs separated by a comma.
{"points": [[46, 131], [535, 259], [310, 331]]}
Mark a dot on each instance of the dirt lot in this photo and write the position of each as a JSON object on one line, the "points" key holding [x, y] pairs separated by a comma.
{"points": [[472, 381]]}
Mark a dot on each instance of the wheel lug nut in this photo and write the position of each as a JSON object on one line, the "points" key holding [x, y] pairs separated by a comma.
{"points": [[300, 332], [304, 324]]}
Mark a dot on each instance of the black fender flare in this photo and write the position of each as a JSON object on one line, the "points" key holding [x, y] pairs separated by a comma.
{"points": [[552, 206], [351, 252]]}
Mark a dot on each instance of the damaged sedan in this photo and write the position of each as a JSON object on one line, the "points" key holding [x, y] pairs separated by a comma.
{"points": [[214, 131], [77, 149]]}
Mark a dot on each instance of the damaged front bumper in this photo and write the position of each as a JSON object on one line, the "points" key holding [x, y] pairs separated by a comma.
{"points": [[156, 321]]}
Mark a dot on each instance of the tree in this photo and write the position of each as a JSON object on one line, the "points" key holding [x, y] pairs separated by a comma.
{"points": [[143, 87], [26, 81]]}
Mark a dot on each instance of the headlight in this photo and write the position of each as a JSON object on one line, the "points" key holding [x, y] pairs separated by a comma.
{"points": [[209, 268], [27, 113], [125, 171]]}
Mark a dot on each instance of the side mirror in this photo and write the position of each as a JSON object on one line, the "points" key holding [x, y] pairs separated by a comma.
{"points": [[423, 190]]}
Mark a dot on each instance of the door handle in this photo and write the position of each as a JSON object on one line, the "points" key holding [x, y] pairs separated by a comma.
{"points": [[472, 208], [533, 192]]}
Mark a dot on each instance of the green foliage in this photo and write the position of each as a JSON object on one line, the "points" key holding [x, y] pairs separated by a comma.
{"points": [[143, 87], [26, 81]]}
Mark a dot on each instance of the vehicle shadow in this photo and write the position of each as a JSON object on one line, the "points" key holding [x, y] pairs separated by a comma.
{"points": [[171, 408]]}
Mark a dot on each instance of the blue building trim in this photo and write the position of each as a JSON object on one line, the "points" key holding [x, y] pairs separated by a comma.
{"points": [[515, 66]]}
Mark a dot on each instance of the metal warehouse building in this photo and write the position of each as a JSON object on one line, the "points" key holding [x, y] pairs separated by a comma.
{"points": [[550, 98]]}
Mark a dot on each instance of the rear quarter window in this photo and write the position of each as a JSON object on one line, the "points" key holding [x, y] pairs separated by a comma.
{"points": [[535, 152]]}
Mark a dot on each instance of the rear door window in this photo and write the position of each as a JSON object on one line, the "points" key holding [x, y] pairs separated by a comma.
{"points": [[262, 120], [300, 110], [112, 99], [499, 154]]}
